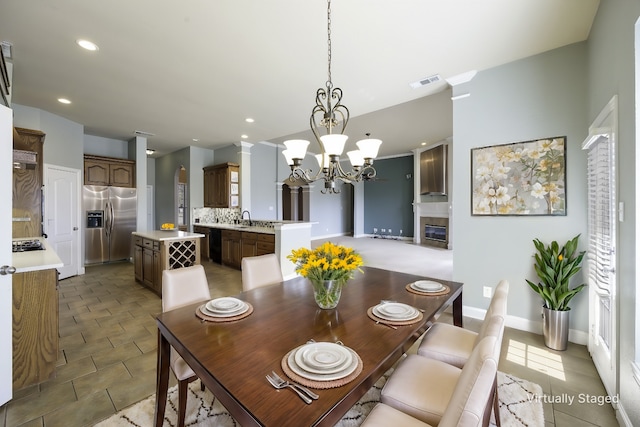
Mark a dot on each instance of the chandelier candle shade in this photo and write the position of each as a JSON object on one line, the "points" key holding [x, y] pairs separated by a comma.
{"points": [[330, 113], [327, 267]]}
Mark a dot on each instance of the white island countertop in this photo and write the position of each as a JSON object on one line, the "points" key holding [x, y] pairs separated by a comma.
{"points": [[161, 235], [36, 260]]}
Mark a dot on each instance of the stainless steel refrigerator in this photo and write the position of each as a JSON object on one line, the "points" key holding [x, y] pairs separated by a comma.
{"points": [[110, 218]]}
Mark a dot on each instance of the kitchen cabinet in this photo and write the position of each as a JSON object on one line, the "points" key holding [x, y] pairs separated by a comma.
{"points": [[35, 326], [221, 186], [239, 244], [100, 170], [162, 250], [231, 248], [27, 184], [204, 244]]}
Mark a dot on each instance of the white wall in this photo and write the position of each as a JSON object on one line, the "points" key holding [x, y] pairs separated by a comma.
{"points": [[537, 97]]}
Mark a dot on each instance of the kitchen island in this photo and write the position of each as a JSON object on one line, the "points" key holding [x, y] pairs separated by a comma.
{"points": [[258, 237], [155, 251], [35, 314]]}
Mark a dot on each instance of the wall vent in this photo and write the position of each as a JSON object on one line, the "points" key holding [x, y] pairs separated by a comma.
{"points": [[426, 81], [143, 133]]}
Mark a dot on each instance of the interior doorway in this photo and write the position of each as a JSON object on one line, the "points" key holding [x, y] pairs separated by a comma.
{"points": [[295, 201]]}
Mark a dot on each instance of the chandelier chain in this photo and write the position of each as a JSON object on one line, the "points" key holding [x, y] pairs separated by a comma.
{"points": [[329, 83]]}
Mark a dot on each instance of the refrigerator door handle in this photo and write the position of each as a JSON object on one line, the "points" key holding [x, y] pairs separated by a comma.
{"points": [[112, 218], [107, 220]]}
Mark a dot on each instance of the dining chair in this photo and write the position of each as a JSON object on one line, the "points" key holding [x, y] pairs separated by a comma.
{"points": [[260, 271], [453, 344], [469, 399], [180, 287], [425, 388]]}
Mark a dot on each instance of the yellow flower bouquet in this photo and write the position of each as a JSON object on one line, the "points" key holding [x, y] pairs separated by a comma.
{"points": [[328, 267]]}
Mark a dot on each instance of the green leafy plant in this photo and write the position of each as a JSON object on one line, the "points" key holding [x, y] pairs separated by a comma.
{"points": [[555, 266]]}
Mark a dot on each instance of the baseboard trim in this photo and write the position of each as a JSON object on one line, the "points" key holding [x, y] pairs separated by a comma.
{"points": [[522, 324]]}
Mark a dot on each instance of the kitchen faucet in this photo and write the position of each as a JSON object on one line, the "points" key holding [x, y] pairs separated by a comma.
{"points": [[249, 214]]}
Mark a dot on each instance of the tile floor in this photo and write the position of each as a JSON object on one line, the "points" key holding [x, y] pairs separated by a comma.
{"points": [[108, 354]]}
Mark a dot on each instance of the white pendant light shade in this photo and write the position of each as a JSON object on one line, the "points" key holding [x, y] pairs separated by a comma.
{"points": [[287, 156], [326, 160], [297, 148], [356, 158], [369, 147], [334, 143]]}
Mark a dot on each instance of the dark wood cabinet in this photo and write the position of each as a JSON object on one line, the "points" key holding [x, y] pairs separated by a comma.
{"points": [[240, 244], [27, 185], [100, 170], [231, 248], [204, 243], [221, 186], [147, 263]]}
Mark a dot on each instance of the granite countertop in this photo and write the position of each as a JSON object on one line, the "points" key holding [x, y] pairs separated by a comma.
{"points": [[238, 227], [36, 260], [161, 235]]}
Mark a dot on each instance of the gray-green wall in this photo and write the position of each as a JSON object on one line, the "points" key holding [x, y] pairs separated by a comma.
{"points": [[537, 97], [613, 65], [388, 199]]}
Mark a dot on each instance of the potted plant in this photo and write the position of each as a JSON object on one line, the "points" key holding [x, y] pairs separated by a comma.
{"points": [[554, 266]]}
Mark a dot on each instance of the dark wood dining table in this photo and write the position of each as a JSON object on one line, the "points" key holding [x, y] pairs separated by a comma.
{"points": [[233, 358]]}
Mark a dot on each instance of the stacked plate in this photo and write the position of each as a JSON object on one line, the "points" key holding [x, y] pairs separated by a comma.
{"points": [[427, 286], [395, 311], [225, 307], [323, 361]]}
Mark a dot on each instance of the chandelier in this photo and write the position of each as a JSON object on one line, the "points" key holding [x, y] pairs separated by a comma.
{"points": [[330, 114]]}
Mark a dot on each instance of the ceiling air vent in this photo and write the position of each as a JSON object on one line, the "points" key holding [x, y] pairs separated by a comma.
{"points": [[426, 81], [143, 133]]}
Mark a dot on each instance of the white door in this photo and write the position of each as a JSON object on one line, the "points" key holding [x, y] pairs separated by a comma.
{"points": [[61, 216], [6, 177], [601, 253]]}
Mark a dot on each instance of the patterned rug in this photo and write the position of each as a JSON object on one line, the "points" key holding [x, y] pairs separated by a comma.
{"points": [[517, 407]]}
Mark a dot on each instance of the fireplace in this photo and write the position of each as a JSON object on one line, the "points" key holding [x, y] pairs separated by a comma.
{"points": [[434, 231]]}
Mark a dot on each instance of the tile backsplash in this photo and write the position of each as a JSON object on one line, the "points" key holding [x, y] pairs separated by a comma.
{"points": [[224, 216]]}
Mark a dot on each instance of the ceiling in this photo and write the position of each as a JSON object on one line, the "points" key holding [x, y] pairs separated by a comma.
{"points": [[195, 69]]}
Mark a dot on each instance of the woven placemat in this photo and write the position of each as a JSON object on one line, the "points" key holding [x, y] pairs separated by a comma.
{"points": [[393, 322], [210, 318], [320, 384], [431, 294]]}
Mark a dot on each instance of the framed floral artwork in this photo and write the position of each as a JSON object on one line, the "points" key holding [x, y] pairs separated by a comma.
{"points": [[521, 178]]}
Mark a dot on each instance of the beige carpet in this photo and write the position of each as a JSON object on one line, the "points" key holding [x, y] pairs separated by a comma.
{"points": [[518, 408], [407, 257]]}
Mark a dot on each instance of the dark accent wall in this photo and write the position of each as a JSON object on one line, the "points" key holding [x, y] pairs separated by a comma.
{"points": [[388, 200]]}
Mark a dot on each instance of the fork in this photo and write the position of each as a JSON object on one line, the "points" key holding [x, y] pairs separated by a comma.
{"points": [[303, 389], [279, 385]]}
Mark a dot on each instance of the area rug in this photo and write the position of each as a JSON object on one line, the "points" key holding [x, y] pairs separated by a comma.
{"points": [[517, 407]]}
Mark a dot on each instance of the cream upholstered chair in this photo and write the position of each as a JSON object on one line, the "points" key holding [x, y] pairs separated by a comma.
{"points": [[452, 344], [180, 287], [260, 270], [424, 388], [464, 406]]}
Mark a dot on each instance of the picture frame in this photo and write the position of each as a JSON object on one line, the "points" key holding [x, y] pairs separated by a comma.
{"points": [[519, 179], [234, 176], [234, 188]]}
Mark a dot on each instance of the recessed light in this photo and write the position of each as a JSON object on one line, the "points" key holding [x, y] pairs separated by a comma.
{"points": [[195, 140], [244, 136], [249, 120], [150, 151], [64, 101], [86, 44], [423, 143]]}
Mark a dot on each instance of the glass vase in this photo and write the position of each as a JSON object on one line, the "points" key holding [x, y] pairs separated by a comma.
{"points": [[327, 293]]}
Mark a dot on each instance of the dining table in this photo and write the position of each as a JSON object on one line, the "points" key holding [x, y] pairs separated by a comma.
{"points": [[232, 358]]}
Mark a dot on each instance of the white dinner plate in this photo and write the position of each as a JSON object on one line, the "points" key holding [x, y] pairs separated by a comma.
{"points": [[323, 358], [243, 307], [225, 304], [350, 368], [427, 286], [395, 311]]}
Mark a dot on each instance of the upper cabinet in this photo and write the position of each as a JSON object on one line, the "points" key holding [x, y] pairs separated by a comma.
{"points": [[100, 170], [221, 185], [27, 182]]}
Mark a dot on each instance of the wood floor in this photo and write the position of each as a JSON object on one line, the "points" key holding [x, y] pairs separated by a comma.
{"points": [[107, 357]]}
